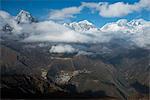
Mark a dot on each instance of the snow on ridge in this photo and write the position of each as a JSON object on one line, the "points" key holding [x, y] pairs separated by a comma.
{"points": [[122, 25], [81, 26], [24, 17]]}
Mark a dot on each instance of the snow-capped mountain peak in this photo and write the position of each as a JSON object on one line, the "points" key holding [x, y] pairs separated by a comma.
{"points": [[137, 22], [122, 25], [86, 22], [122, 22], [24, 17], [81, 26]]}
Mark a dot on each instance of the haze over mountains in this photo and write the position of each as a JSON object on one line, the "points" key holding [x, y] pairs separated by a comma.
{"points": [[44, 59]]}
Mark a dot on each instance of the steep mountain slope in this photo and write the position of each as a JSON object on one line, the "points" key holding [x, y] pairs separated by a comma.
{"points": [[60, 74], [79, 76], [24, 17], [110, 62]]}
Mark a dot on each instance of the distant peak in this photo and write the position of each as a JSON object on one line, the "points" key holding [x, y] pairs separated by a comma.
{"points": [[85, 22], [137, 22], [122, 21], [80, 26], [133, 26], [24, 17], [23, 11]]}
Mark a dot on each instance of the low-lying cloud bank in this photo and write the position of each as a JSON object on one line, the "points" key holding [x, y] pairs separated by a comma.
{"points": [[134, 31], [51, 31], [62, 49], [68, 49]]}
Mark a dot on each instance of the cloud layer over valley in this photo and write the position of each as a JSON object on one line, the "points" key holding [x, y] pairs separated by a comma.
{"points": [[136, 31], [62, 49]]}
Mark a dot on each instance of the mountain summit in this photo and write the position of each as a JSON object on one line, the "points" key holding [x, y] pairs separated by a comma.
{"points": [[122, 25], [80, 26], [24, 17]]}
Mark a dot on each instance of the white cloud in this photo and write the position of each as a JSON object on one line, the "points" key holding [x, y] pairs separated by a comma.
{"points": [[4, 14], [117, 9], [6, 18], [64, 13], [105, 9], [135, 30], [144, 4], [62, 49], [43, 31], [142, 39], [51, 31]]}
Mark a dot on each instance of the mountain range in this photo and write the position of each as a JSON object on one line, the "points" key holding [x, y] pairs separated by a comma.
{"points": [[46, 59], [24, 24], [133, 26]]}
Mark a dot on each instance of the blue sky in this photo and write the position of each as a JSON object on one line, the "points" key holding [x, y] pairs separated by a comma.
{"points": [[42, 8]]}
